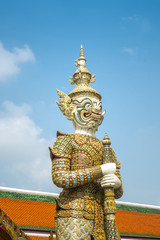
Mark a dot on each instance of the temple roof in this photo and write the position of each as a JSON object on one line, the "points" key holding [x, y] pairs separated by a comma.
{"points": [[33, 212]]}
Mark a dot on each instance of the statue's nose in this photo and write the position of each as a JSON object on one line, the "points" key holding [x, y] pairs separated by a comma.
{"points": [[97, 108]]}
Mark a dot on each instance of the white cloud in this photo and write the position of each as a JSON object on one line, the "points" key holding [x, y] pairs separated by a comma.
{"points": [[10, 60], [24, 155], [137, 23], [130, 51]]}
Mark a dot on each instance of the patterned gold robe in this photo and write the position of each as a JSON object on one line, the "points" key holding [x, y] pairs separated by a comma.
{"points": [[76, 161]]}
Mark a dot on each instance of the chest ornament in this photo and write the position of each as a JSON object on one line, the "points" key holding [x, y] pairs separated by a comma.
{"points": [[80, 159], [80, 139], [97, 145]]}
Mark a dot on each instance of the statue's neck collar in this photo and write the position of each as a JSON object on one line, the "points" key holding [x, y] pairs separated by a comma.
{"points": [[85, 131]]}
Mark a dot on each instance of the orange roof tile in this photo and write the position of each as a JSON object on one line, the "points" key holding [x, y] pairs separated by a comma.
{"points": [[29, 213], [136, 222]]}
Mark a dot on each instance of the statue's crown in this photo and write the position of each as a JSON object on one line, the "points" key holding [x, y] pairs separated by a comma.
{"points": [[82, 77]]}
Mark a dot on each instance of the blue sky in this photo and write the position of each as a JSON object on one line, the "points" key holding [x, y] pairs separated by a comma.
{"points": [[39, 42]]}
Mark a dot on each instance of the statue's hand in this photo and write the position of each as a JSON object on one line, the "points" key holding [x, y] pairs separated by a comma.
{"points": [[110, 180], [108, 168]]}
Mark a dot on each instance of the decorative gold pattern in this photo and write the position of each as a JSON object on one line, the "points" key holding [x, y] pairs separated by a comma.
{"points": [[72, 229], [73, 163], [65, 105], [77, 173], [81, 159], [83, 90], [11, 228]]}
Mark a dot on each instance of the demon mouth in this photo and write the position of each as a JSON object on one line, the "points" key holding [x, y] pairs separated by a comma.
{"points": [[86, 115], [96, 114]]}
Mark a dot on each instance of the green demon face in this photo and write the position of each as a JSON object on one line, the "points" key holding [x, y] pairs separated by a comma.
{"points": [[87, 112]]}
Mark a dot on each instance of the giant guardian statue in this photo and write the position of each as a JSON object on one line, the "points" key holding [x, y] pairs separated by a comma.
{"points": [[84, 167]]}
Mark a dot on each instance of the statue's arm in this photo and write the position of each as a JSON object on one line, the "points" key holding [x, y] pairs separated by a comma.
{"points": [[62, 174], [64, 178]]}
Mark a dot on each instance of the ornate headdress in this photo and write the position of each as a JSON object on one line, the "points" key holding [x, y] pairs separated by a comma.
{"points": [[82, 77]]}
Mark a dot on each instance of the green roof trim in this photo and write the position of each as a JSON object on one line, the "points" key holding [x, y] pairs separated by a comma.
{"points": [[137, 209], [24, 196], [139, 235], [36, 228]]}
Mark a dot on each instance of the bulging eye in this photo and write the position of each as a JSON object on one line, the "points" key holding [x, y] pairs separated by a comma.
{"points": [[87, 106]]}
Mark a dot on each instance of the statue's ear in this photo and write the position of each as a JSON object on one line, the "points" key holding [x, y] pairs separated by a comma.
{"points": [[65, 105]]}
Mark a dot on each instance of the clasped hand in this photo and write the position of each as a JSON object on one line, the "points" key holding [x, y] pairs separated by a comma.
{"points": [[109, 178]]}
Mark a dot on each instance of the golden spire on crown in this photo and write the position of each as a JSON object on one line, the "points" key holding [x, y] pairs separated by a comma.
{"points": [[82, 77]]}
